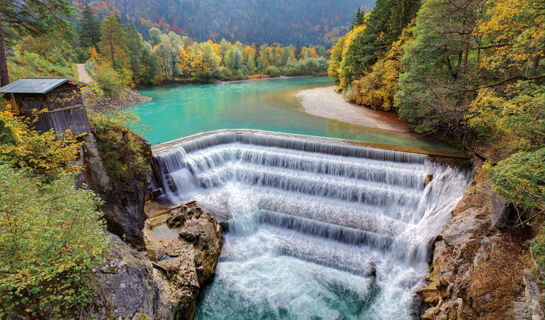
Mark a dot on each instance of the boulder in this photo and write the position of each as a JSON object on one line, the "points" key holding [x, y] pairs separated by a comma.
{"points": [[129, 287], [187, 263]]}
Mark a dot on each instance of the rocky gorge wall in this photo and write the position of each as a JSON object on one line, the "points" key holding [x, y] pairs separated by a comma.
{"points": [[143, 277], [482, 266]]}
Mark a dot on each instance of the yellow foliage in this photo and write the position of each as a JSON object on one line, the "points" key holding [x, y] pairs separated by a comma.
{"points": [[516, 29], [377, 88], [42, 152]]}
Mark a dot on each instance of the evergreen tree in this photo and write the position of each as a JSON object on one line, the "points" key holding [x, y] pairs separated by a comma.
{"points": [[144, 64], [358, 19], [113, 43], [384, 26], [88, 28], [29, 16], [298, 49]]}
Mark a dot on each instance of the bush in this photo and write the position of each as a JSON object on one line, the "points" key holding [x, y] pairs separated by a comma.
{"points": [[41, 152], [520, 179], [272, 71], [109, 81], [123, 152], [51, 238]]}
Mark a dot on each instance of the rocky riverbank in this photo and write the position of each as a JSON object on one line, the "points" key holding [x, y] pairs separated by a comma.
{"points": [[164, 280], [482, 266]]}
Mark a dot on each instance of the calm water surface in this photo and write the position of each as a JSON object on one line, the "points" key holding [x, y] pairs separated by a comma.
{"points": [[270, 104]]}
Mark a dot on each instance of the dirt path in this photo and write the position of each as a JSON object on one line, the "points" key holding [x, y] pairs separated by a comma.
{"points": [[326, 103], [82, 73]]}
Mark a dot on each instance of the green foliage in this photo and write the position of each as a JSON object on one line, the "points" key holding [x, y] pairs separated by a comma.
{"points": [[113, 44], [51, 238], [272, 71], [384, 26], [520, 179], [377, 88], [32, 65], [109, 81], [144, 64], [88, 28], [123, 152], [35, 17], [432, 88]]}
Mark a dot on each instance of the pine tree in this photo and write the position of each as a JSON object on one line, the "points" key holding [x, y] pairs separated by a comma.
{"points": [[298, 49], [113, 43], [88, 28], [385, 24], [358, 19]]}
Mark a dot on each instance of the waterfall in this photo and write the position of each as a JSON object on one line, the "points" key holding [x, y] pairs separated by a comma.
{"points": [[290, 205]]}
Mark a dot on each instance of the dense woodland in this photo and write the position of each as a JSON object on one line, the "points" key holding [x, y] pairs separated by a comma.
{"points": [[468, 71], [117, 55], [248, 21]]}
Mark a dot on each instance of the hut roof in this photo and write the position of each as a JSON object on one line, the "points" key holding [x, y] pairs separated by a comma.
{"points": [[38, 85]]}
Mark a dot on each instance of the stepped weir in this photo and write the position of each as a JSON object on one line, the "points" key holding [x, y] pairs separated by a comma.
{"points": [[312, 226]]}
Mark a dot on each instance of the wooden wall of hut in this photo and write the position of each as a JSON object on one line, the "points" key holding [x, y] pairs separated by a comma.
{"points": [[60, 109]]}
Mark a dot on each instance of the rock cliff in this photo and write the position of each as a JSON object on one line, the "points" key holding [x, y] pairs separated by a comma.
{"points": [[164, 281], [482, 266], [123, 198]]}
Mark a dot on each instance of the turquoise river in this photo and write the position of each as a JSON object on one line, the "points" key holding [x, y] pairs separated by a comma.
{"points": [[180, 111]]}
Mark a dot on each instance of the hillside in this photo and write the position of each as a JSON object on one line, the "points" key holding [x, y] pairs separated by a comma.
{"points": [[248, 21]]}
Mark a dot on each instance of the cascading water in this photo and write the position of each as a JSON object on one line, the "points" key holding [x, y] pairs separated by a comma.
{"points": [[313, 229]]}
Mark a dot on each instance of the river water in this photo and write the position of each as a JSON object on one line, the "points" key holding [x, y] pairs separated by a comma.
{"points": [[268, 104], [312, 228]]}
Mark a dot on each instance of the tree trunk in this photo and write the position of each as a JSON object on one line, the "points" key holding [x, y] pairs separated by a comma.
{"points": [[467, 42], [112, 53], [4, 75]]}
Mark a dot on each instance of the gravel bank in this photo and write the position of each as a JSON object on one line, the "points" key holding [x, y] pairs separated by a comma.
{"points": [[326, 103]]}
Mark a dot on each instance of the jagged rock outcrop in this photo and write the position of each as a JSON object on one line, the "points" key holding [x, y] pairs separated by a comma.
{"points": [[186, 254], [164, 281], [480, 268], [123, 200]]}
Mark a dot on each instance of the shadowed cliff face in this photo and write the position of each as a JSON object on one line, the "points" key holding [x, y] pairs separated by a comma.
{"points": [[123, 197], [481, 267]]}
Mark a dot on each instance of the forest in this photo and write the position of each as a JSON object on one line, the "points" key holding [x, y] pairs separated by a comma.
{"points": [[467, 71], [248, 21], [118, 57]]}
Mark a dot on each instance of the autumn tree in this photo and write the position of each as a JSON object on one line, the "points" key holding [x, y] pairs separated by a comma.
{"points": [[28, 16]]}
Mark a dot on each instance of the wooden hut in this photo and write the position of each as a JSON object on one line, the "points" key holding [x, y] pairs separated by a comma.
{"points": [[57, 103]]}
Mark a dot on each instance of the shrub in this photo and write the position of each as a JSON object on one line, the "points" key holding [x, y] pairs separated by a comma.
{"points": [[41, 152], [520, 179], [272, 71], [123, 152], [109, 81], [51, 238]]}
